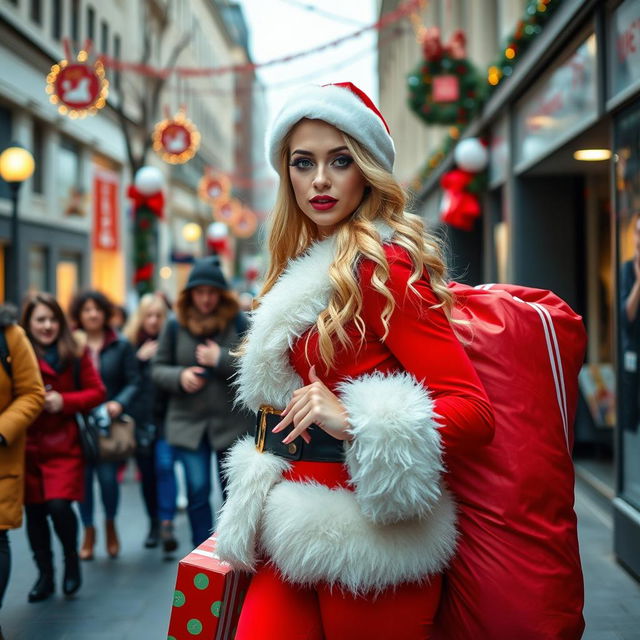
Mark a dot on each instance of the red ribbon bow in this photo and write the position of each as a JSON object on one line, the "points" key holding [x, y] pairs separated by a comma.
{"points": [[433, 47], [155, 201]]}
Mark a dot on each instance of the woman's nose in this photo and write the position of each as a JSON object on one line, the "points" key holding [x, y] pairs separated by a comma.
{"points": [[321, 179]]}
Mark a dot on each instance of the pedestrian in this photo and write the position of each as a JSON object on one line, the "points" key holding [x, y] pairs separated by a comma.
{"points": [[115, 360], [194, 366], [119, 318], [154, 455], [54, 461], [360, 384], [630, 334], [21, 400]]}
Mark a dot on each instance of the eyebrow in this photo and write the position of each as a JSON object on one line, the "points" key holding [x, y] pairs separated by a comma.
{"points": [[302, 152]]}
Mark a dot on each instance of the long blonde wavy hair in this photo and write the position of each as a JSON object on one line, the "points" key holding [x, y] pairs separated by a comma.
{"points": [[291, 233]]}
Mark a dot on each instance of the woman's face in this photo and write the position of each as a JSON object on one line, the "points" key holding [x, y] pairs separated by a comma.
{"points": [[205, 298], [152, 321], [43, 325], [91, 317], [327, 183]]}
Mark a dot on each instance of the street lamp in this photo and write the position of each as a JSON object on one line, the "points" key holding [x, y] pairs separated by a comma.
{"points": [[16, 166]]}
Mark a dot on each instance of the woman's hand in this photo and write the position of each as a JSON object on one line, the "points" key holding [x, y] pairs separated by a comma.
{"points": [[114, 409], [147, 350], [208, 354], [191, 379], [314, 404], [53, 402]]}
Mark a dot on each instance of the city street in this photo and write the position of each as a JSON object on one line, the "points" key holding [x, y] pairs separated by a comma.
{"points": [[130, 598]]}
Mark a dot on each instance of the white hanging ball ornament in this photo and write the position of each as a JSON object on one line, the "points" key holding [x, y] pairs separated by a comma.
{"points": [[217, 230], [471, 155], [148, 180]]}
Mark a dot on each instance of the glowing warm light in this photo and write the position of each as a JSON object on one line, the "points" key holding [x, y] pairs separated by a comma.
{"points": [[191, 232], [592, 155], [494, 76], [16, 164], [510, 53], [165, 273]]}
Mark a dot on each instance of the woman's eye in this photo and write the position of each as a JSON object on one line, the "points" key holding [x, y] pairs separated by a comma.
{"points": [[343, 161], [301, 163]]}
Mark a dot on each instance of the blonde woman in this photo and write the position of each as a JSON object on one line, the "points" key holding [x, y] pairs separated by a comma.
{"points": [[154, 456], [339, 506]]}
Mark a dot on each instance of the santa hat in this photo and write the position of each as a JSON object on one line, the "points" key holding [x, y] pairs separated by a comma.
{"points": [[345, 107]]}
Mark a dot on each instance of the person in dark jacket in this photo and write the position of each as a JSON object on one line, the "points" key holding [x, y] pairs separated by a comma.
{"points": [[194, 365], [54, 461], [21, 400], [115, 360], [148, 411]]}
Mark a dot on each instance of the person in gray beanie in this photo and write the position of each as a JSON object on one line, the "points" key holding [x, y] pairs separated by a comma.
{"points": [[194, 366]]}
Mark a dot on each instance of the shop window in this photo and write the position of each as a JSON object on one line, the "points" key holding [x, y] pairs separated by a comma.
{"points": [[627, 184], [56, 19], [71, 197], [38, 280], [67, 278], [74, 16], [35, 11], [39, 157]]}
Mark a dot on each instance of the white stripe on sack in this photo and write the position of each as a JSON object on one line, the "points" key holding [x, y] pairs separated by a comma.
{"points": [[558, 378]]}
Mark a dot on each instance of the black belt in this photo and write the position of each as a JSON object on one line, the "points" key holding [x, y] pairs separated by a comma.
{"points": [[322, 448]]}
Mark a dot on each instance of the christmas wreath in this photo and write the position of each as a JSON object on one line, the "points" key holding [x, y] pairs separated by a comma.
{"points": [[444, 88]]}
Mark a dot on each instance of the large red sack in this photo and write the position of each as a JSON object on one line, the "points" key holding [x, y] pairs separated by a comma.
{"points": [[517, 570]]}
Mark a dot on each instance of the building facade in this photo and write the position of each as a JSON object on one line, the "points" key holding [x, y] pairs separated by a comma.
{"points": [[552, 220], [77, 161]]}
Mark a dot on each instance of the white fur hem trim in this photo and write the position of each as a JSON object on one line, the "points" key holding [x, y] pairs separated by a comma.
{"points": [[251, 475], [315, 534], [395, 458]]}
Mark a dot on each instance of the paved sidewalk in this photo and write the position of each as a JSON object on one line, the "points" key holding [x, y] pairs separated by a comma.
{"points": [[612, 596], [130, 598]]}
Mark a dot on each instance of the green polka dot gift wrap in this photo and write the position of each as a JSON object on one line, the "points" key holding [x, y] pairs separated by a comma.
{"points": [[207, 598]]}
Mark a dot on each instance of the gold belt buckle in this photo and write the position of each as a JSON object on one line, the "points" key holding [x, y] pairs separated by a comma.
{"points": [[262, 426]]}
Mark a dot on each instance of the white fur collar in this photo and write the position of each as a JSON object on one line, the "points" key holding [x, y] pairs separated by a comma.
{"points": [[291, 307]]}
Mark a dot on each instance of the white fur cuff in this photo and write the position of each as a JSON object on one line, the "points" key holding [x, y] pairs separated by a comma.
{"points": [[395, 458], [251, 476]]}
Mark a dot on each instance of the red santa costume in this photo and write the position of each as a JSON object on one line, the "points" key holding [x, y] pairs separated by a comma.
{"points": [[351, 548]]}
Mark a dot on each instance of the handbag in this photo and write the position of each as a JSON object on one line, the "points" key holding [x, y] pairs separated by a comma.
{"points": [[119, 443], [101, 438], [89, 436]]}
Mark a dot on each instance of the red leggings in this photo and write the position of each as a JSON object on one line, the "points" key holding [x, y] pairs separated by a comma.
{"points": [[277, 610]]}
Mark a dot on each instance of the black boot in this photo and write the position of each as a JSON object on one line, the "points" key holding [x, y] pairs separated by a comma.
{"points": [[72, 578], [44, 586], [153, 537]]}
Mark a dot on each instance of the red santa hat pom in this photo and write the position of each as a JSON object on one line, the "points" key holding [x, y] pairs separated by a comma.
{"points": [[345, 107]]}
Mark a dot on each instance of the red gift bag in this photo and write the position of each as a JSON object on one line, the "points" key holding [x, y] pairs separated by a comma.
{"points": [[517, 570], [208, 596]]}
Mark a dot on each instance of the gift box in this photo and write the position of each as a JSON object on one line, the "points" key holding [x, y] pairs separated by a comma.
{"points": [[208, 596]]}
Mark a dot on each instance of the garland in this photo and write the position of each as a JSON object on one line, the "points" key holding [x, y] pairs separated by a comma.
{"points": [[536, 15]]}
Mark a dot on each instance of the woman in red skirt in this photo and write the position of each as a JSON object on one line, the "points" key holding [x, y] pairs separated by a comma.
{"points": [[54, 472], [338, 505]]}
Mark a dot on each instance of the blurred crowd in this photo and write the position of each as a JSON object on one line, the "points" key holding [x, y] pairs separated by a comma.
{"points": [[164, 369]]}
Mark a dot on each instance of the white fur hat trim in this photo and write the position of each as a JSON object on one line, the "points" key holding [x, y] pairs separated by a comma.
{"points": [[340, 107]]}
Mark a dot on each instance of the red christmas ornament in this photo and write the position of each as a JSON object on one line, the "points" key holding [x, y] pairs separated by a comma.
{"points": [[143, 273]]}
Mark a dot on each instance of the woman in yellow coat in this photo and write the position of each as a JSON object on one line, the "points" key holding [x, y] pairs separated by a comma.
{"points": [[21, 400]]}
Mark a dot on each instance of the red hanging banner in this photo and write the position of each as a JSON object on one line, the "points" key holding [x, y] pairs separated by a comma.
{"points": [[105, 210]]}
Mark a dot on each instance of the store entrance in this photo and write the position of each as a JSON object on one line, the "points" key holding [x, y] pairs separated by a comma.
{"points": [[566, 231]]}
